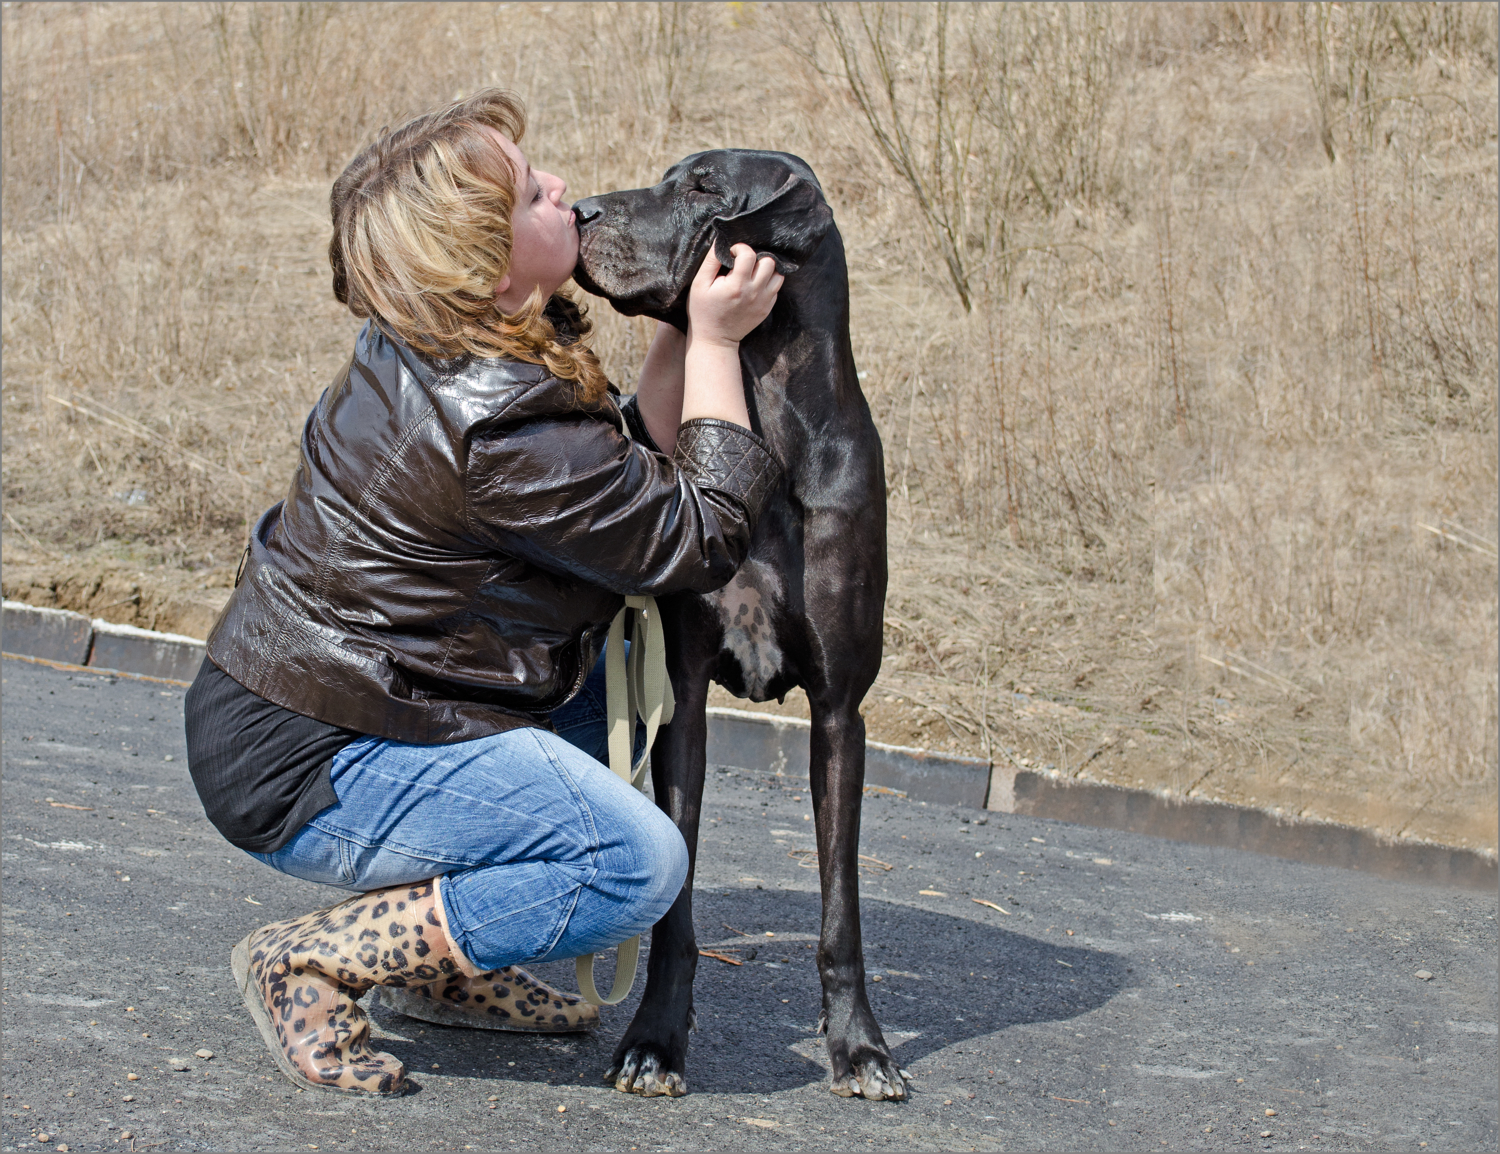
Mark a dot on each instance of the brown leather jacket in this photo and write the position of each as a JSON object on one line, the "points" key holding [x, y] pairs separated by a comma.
{"points": [[458, 536]]}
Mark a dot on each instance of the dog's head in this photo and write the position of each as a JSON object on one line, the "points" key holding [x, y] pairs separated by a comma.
{"points": [[641, 248]]}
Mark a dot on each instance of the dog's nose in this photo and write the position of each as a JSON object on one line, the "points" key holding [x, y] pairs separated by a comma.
{"points": [[587, 210]]}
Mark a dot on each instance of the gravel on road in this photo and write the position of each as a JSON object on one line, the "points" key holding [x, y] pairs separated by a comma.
{"points": [[1045, 985]]}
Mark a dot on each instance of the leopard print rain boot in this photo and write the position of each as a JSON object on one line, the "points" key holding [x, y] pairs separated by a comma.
{"points": [[301, 979], [504, 999]]}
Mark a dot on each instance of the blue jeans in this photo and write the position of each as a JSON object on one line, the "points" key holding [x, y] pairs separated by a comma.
{"points": [[544, 852]]}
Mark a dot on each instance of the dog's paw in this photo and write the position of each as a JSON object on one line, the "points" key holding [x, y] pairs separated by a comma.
{"points": [[643, 1071], [875, 1077]]}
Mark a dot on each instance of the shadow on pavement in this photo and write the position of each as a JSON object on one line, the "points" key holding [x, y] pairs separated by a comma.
{"points": [[944, 980]]}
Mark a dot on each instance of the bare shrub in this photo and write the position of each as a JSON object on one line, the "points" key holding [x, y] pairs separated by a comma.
{"points": [[1288, 339], [1190, 429], [981, 111]]}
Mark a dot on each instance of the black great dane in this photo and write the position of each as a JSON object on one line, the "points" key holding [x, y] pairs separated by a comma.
{"points": [[806, 607]]}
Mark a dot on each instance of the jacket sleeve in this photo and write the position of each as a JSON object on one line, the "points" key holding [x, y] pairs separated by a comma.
{"points": [[572, 495]]}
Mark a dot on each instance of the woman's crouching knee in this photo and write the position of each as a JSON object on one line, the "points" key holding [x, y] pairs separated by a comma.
{"points": [[654, 866]]}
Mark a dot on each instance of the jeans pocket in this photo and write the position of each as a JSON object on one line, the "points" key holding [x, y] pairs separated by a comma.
{"points": [[315, 855], [380, 867]]}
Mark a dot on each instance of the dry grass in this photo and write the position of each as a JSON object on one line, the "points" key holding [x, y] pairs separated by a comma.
{"points": [[1178, 323]]}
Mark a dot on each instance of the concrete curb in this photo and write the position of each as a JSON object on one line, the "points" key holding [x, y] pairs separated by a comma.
{"points": [[170, 656], [759, 742], [740, 739], [1214, 823], [47, 634], [57, 635]]}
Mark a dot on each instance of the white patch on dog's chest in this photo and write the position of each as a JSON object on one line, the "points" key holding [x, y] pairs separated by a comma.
{"points": [[746, 609]]}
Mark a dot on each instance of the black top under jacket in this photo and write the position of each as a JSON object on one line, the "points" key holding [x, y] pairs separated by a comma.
{"points": [[261, 771]]}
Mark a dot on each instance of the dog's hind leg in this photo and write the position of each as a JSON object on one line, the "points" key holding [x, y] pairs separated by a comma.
{"points": [[861, 1061], [651, 1058]]}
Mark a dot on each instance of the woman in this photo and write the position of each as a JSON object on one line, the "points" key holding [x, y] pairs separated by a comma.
{"points": [[401, 697]]}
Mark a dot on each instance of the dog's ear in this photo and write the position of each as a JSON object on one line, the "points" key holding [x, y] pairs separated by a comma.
{"points": [[788, 227]]}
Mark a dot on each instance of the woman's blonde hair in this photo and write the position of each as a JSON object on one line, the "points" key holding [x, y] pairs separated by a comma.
{"points": [[421, 236]]}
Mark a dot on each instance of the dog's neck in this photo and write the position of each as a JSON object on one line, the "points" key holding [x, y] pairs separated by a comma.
{"points": [[799, 365]]}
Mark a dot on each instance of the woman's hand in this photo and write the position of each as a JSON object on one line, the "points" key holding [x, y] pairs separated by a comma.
{"points": [[724, 309]]}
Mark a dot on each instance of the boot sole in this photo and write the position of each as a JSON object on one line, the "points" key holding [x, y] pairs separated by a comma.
{"points": [[239, 963], [426, 1010]]}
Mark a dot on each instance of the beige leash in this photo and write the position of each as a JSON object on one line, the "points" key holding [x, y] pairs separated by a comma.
{"points": [[637, 687]]}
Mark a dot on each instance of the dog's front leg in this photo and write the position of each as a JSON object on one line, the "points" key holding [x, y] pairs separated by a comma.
{"points": [[861, 1061], [651, 1058]]}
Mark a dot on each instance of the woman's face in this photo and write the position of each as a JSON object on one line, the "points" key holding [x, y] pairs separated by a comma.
{"points": [[544, 239]]}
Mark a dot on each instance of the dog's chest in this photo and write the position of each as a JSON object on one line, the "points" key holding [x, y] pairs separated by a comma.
{"points": [[751, 612]]}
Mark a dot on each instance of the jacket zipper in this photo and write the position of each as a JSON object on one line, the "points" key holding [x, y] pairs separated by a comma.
{"points": [[578, 681]]}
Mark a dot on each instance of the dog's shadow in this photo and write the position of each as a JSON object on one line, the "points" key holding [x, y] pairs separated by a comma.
{"points": [[944, 980]]}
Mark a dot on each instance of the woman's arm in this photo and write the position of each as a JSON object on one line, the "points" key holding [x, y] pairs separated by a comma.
{"points": [[568, 494], [698, 375], [659, 393]]}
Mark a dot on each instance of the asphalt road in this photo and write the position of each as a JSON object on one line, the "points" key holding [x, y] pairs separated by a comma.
{"points": [[1138, 994]]}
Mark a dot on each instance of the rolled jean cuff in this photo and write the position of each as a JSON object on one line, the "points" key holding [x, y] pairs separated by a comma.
{"points": [[460, 956]]}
